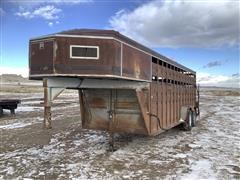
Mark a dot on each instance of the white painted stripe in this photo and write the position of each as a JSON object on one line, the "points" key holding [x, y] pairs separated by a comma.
{"points": [[41, 40], [113, 38], [90, 75], [121, 58]]}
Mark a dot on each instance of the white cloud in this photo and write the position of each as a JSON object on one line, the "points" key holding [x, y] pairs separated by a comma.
{"points": [[207, 79], [68, 1], [45, 9], [2, 12], [14, 70], [32, 3], [47, 12], [179, 23], [50, 24]]}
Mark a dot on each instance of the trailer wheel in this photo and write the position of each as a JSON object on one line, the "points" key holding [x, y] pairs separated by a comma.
{"points": [[194, 118], [1, 111], [197, 111], [188, 122]]}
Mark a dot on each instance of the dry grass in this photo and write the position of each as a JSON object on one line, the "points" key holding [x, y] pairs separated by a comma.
{"points": [[20, 89], [226, 92]]}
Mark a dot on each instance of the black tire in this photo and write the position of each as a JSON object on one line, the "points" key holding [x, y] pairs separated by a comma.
{"points": [[1, 111], [197, 110], [194, 118], [188, 122]]}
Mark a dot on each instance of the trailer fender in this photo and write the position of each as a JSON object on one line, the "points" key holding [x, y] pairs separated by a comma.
{"points": [[1, 111], [183, 114]]}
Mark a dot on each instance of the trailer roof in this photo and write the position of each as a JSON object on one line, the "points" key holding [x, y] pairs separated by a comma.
{"points": [[117, 35]]}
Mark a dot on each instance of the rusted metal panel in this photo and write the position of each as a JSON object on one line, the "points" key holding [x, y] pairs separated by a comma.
{"points": [[164, 100], [41, 57], [116, 104], [154, 107], [174, 105], [160, 103], [143, 100], [177, 104], [112, 110], [154, 69], [108, 62], [168, 105], [160, 95], [136, 64]]}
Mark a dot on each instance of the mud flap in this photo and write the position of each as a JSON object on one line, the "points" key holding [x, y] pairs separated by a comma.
{"points": [[184, 113]]}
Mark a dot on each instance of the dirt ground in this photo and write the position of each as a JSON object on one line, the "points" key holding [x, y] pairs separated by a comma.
{"points": [[27, 151]]}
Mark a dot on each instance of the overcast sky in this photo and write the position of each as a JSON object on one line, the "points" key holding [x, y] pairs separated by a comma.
{"points": [[200, 34]]}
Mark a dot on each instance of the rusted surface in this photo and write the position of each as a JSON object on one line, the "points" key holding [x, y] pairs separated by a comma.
{"points": [[47, 122], [41, 58], [144, 105], [129, 88], [113, 35], [107, 64], [136, 64], [112, 110], [47, 117], [119, 56]]}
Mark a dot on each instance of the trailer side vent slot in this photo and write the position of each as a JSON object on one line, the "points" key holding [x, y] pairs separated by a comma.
{"points": [[84, 52], [41, 45]]}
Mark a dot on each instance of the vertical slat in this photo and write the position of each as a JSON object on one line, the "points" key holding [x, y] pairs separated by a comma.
{"points": [[165, 99], [160, 91], [170, 100], [177, 102], [154, 107], [154, 100], [174, 103]]}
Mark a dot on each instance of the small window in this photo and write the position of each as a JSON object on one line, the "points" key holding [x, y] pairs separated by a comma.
{"points": [[160, 62], [84, 52], [154, 60]]}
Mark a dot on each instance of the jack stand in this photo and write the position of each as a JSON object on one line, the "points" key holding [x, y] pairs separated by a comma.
{"points": [[47, 118], [53, 87], [47, 122], [112, 142]]}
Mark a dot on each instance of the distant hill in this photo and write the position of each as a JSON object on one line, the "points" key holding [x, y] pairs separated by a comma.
{"points": [[12, 78], [16, 79]]}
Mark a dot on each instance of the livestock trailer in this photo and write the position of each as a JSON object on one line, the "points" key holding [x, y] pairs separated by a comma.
{"points": [[123, 86]]}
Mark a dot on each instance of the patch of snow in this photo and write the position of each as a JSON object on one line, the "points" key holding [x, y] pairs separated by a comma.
{"points": [[27, 109], [83, 154], [180, 155], [194, 146], [201, 170], [41, 174], [10, 170], [15, 125]]}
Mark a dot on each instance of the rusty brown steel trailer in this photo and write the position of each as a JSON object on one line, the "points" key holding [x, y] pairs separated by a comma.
{"points": [[123, 86]]}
